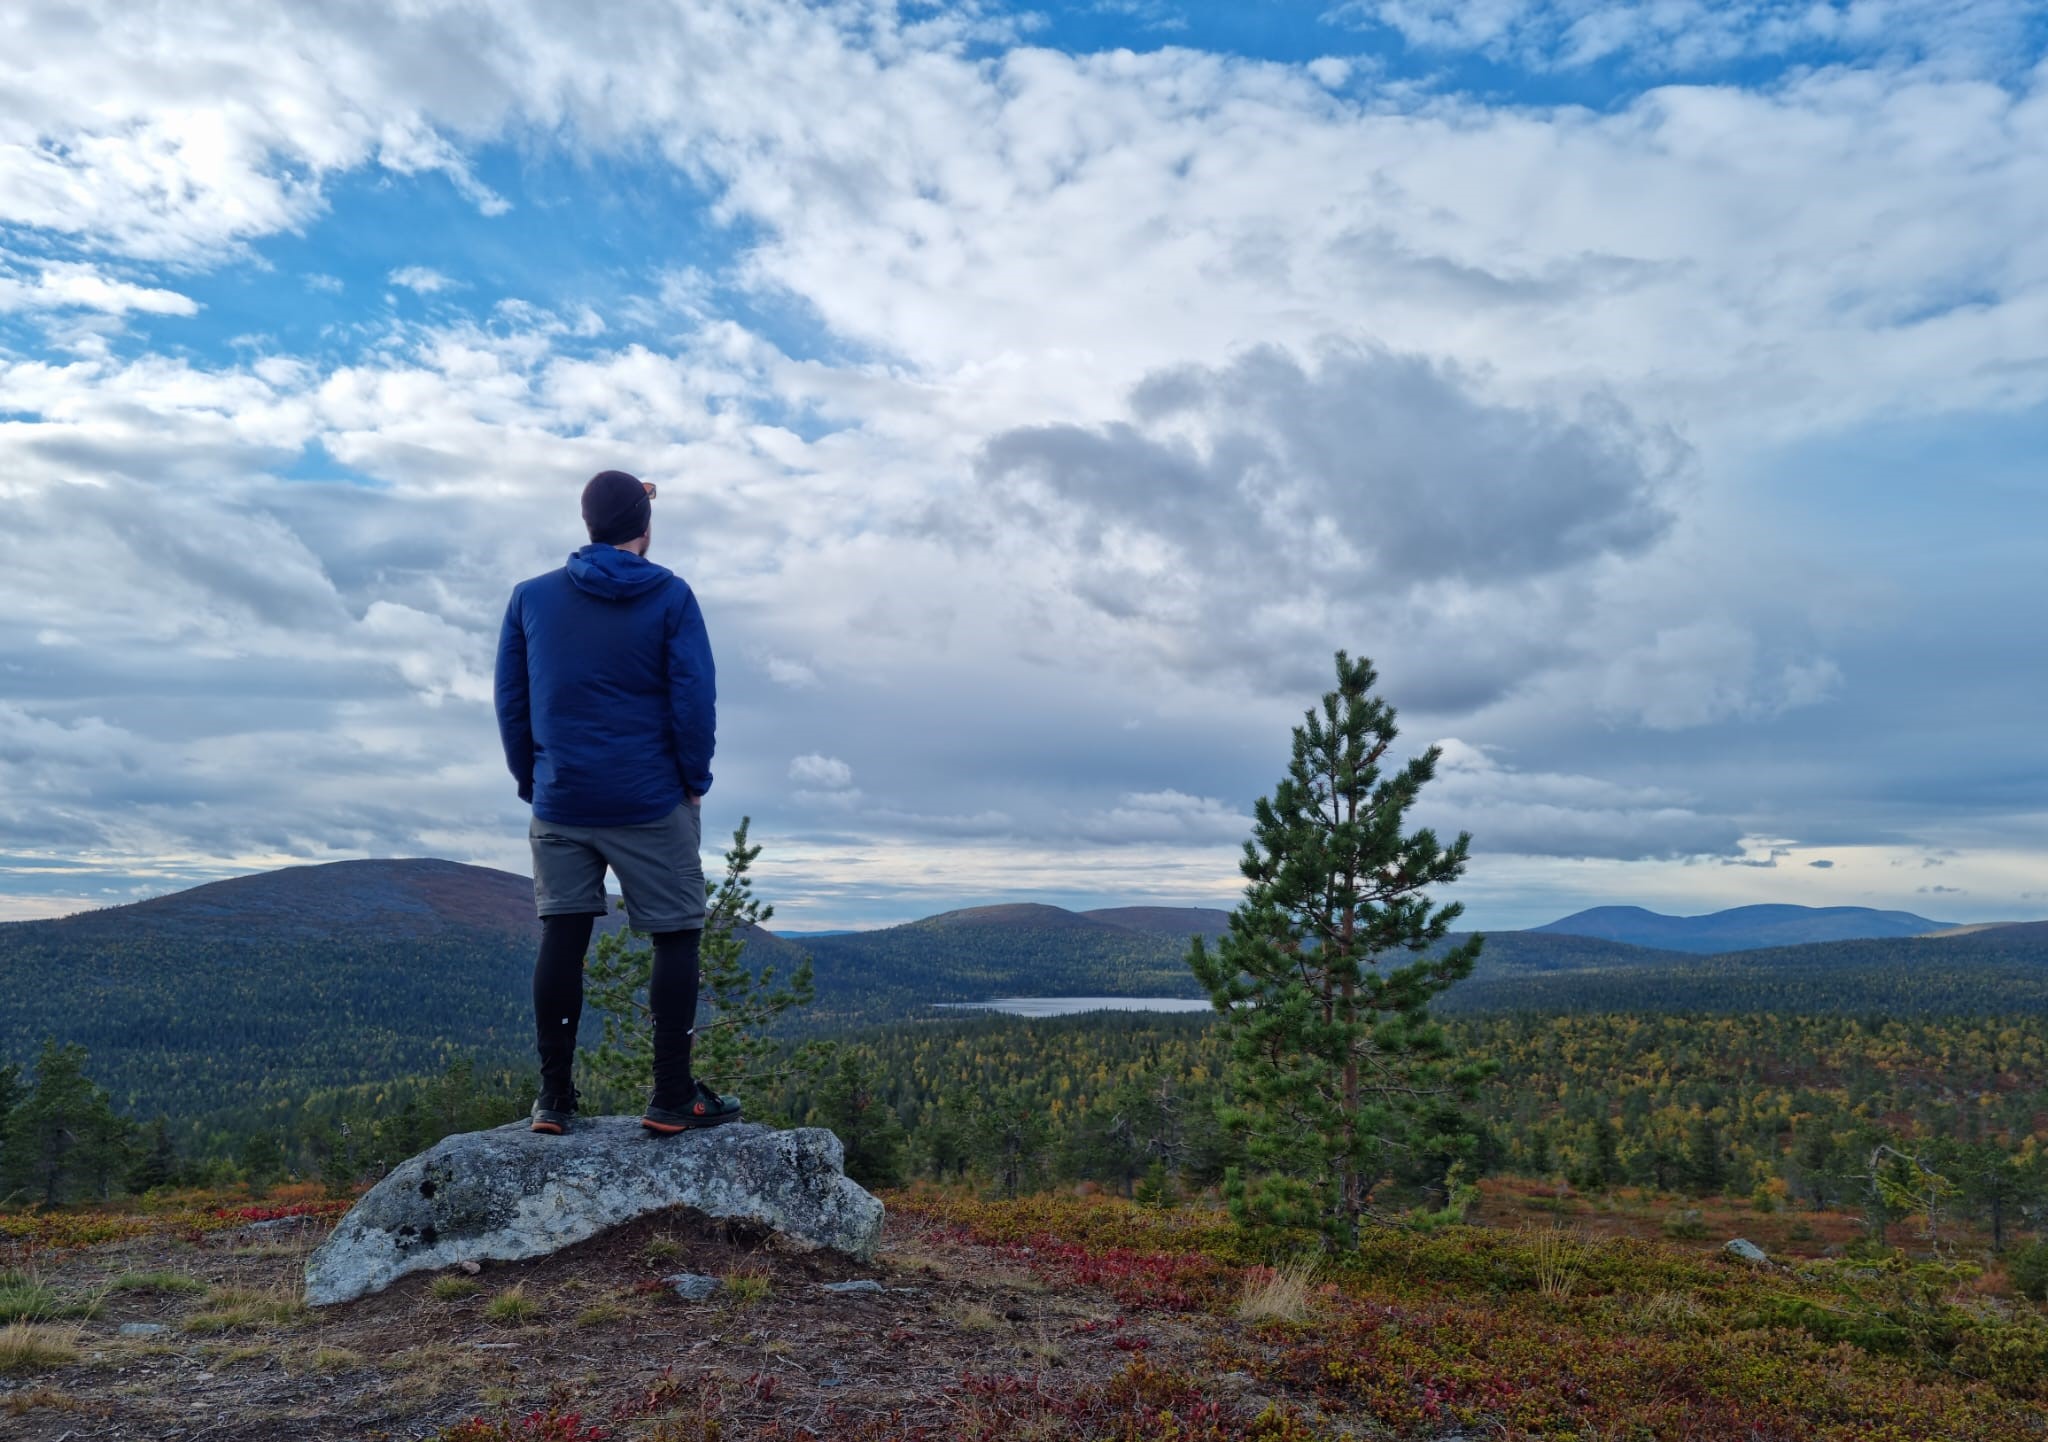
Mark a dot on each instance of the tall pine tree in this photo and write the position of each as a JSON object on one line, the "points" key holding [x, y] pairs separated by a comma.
{"points": [[1336, 1072]]}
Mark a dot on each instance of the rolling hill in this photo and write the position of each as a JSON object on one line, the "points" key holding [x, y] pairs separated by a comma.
{"points": [[389, 899], [1992, 971], [243, 992], [1742, 928]]}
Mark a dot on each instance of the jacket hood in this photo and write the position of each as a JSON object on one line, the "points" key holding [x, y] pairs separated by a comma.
{"points": [[614, 574]]}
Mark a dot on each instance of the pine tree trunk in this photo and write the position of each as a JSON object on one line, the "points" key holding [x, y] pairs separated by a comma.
{"points": [[1351, 1202]]}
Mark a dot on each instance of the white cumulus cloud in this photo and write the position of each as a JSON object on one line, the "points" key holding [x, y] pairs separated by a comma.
{"points": [[422, 280]]}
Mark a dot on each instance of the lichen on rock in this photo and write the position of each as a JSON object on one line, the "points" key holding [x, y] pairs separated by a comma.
{"points": [[511, 1193]]}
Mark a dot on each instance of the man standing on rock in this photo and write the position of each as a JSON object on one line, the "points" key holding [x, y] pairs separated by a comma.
{"points": [[605, 698]]}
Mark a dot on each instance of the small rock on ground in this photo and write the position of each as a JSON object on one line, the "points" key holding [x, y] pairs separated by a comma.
{"points": [[1747, 1251], [861, 1284], [692, 1286]]}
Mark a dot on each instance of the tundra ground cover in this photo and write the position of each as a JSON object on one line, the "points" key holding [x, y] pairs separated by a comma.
{"points": [[1518, 1333], [1055, 1317]]}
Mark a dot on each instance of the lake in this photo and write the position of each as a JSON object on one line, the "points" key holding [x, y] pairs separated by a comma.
{"points": [[1064, 1005]]}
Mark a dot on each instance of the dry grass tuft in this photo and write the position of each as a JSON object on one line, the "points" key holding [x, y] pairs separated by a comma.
{"points": [[972, 1317], [429, 1372], [336, 1359], [27, 1399], [603, 1314], [25, 1297], [1278, 1294], [164, 1283], [1557, 1258], [1670, 1312], [511, 1307], [662, 1249], [1045, 1351], [748, 1284], [233, 1309], [454, 1287], [36, 1347]]}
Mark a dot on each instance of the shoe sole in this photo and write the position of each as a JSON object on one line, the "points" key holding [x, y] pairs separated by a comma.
{"points": [[553, 1129], [669, 1129]]}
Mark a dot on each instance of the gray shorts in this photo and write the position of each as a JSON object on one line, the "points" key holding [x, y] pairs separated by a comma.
{"points": [[656, 863]]}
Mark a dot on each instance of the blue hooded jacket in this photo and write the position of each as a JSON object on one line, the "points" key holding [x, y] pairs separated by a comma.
{"points": [[605, 691]]}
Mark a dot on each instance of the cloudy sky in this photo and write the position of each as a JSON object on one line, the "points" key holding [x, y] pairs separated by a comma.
{"points": [[1657, 392]]}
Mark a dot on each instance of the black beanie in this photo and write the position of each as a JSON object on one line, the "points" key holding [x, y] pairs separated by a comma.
{"points": [[615, 508]]}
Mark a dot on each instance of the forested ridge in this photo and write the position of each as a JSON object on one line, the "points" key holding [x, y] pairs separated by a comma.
{"points": [[255, 992], [1784, 1109]]}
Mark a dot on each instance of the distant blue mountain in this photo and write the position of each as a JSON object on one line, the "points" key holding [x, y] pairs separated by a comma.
{"points": [[1744, 928]]}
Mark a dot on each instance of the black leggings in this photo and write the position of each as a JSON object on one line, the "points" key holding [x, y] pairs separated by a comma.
{"points": [[558, 1004]]}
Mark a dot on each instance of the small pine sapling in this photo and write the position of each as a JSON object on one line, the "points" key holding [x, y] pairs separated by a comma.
{"points": [[736, 1004]]}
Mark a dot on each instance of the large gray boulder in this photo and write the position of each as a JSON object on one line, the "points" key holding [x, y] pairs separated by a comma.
{"points": [[512, 1193]]}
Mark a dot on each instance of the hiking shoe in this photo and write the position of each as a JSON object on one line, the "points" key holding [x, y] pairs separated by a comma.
{"points": [[703, 1108], [552, 1114]]}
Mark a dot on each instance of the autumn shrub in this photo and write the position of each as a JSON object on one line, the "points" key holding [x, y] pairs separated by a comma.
{"points": [[286, 1194], [34, 1229], [1898, 1307], [191, 1199], [276, 1211], [2012, 1357], [1828, 1321]]}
